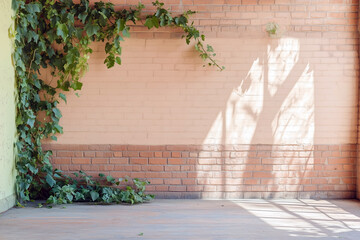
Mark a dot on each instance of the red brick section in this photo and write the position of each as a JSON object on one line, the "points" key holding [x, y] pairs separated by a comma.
{"points": [[215, 171]]}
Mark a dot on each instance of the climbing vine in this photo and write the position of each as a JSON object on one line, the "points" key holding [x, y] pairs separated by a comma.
{"points": [[57, 35]]}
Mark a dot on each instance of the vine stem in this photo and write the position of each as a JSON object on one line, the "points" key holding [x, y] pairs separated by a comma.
{"points": [[209, 57], [31, 63]]}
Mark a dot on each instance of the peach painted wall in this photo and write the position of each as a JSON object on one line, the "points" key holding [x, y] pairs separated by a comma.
{"points": [[301, 88]]}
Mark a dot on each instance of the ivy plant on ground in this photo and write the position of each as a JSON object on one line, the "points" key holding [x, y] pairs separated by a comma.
{"points": [[84, 188], [57, 35]]}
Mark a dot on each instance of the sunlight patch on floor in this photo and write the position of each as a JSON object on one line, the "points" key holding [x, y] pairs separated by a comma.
{"points": [[302, 218]]}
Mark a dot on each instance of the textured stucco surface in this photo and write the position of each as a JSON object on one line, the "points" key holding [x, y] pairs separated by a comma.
{"points": [[7, 110]]}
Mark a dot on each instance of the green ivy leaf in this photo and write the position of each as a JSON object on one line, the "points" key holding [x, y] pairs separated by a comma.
{"points": [[63, 97], [155, 21], [76, 86], [149, 23], [118, 60], [50, 180], [82, 16], [126, 33], [62, 31], [70, 197], [30, 122], [37, 83], [57, 112], [15, 5], [33, 8], [209, 48], [120, 25], [32, 168], [94, 195], [110, 179], [91, 29], [31, 35], [19, 120]]}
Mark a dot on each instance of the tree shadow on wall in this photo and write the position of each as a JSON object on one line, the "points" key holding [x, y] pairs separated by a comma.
{"points": [[278, 96]]}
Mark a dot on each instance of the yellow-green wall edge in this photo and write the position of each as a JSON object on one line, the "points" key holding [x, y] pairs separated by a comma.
{"points": [[7, 110]]}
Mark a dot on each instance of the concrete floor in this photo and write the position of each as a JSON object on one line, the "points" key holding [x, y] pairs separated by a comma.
{"points": [[188, 219]]}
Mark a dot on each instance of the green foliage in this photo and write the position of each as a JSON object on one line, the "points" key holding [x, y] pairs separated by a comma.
{"points": [[104, 190], [56, 35], [273, 29]]}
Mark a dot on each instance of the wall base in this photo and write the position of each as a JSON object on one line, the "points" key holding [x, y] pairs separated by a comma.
{"points": [[7, 203], [255, 195]]}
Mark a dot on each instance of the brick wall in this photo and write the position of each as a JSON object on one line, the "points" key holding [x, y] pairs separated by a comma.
{"points": [[215, 171], [300, 89]]}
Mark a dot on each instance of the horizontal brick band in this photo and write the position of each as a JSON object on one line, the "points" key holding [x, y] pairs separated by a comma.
{"points": [[222, 171]]}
